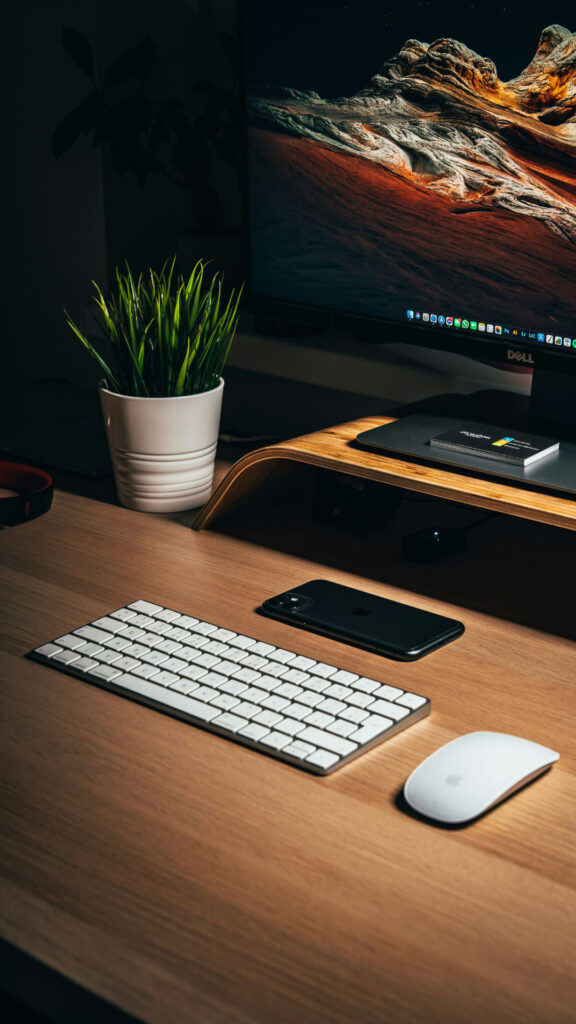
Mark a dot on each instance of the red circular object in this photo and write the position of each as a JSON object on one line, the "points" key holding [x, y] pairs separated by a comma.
{"points": [[35, 491]]}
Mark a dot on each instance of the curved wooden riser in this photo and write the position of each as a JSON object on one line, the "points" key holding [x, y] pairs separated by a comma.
{"points": [[334, 449]]}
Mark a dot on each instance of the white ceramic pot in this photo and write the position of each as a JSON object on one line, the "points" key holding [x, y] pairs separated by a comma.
{"points": [[163, 449]]}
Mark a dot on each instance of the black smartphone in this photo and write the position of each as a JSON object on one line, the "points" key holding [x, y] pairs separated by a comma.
{"points": [[365, 620]]}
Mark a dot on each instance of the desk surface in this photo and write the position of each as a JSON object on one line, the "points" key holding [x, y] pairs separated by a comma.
{"points": [[188, 879]]}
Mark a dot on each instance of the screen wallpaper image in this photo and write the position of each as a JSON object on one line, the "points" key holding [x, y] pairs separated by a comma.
{"points": [[417, 154]]}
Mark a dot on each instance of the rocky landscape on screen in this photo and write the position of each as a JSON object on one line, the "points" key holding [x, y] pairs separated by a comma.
{"points": [[435, 153]]}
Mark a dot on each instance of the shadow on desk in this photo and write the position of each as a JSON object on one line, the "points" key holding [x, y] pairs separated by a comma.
{"points": [[511, 568], [31, 993]]}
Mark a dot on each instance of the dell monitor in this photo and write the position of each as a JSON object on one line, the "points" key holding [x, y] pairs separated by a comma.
{"points": [[411, 172]]}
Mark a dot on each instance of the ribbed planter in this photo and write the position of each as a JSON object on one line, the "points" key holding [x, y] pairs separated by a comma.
{"points": [[163, 449]]}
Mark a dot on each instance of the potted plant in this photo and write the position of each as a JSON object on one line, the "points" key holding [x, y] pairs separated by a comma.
{"points": [[168, 339]]}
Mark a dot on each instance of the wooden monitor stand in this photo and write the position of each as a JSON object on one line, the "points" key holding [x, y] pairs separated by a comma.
{"points": [[334, 449]]}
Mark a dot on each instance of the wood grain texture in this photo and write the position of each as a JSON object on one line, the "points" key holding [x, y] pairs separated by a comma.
{"points": [[334, 449], [191, 880]]}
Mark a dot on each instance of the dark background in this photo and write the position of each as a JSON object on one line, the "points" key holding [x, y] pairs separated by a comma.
{"points": [[68, 221], [334, 48]]}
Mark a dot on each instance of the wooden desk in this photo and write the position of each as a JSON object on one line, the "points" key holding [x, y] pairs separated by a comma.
{"points": [[188, 879]]}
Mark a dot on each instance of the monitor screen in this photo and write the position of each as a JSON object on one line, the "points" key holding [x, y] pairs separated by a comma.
{"points": [[412, 162]]}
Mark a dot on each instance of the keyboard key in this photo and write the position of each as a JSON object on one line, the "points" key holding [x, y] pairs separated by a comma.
{"points": [[123, 613], [144, 621], [258, 647], [105, 672], [132, 632], [254, 661], [168, 646], [108, 656], [366, 685], [170, 698], [85, 665], [233, 686], [230, 722], [299, 711], [135, 650], [155, 657], [222, 634], [276, 740], [206, 693], [327, 741], [127, 664], [119, 643], [277, 669], [207, 660], [175, 665], [320, 669], [165, 678], [291, 726], [346, 678], [322, 758], [388, 692], [254, 694], [143, 670], [184, 686], [144, 606], [186, 621], [356, 715], [248, 710], [385, 707], [225, 701], [341, 728], [205, 628], [167, 615], [296, 675], [269, 718], [360, 700], [66, 657], [245, 675], [371, 728], [275, 703], [99, 636], [299, 749], [159, 628], [320, 719], [300, 662], [243, 642], [70, 641], [411, 700], [193, 672], [310, 698], [109, 624], [253, 731], [91, 650], [280, 655], [333, 707], [216, 647], [179, 634], [338, 691], [286, 690]]}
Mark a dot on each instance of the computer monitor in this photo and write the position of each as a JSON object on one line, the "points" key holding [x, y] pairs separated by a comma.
{"points": [[412, 176]]}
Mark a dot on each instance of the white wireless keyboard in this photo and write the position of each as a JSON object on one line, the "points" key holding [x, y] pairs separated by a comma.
{"points": [[310, 714]]}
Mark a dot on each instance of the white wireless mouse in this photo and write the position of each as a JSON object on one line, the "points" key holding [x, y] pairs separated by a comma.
{"points": [[472, 773]]}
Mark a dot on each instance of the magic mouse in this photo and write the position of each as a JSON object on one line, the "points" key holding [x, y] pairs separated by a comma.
{"points": [[472, 773]]}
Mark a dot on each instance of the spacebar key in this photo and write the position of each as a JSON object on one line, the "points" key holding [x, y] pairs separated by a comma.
{"points": [[327, 740], [170, 698]]}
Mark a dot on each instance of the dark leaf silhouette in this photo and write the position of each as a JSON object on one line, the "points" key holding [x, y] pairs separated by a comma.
{"points": [[78, 48], [135, 63]]}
